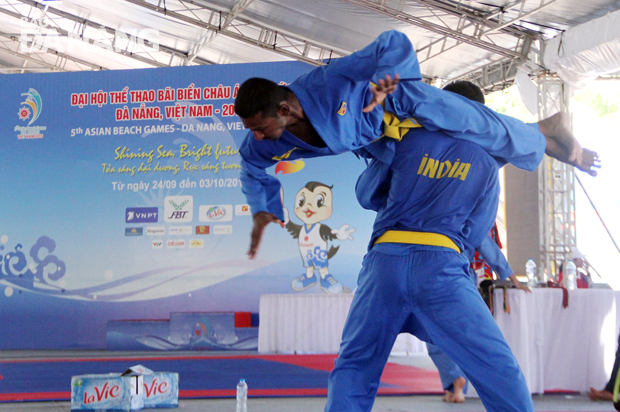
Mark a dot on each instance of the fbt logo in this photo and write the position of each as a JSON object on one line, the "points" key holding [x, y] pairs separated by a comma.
{"points": [[243, 210], [107, 392], [178, 208], [141, 215], [215, 213]]}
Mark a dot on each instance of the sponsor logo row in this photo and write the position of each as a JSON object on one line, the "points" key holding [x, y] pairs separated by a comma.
{"points": [[180, 209], [179, 230], [177, 243]]}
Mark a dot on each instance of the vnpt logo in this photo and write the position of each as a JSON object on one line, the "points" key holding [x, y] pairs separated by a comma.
{"points": [[133, 231], [141, 215], [179, 208]]}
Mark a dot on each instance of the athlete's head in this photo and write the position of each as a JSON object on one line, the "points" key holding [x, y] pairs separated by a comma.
{"points": [[259, 104], [466, 89], [313, 203]]}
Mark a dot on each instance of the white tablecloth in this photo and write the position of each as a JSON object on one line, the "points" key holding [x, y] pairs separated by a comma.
{"points": [[312, 324], [568, 349]]}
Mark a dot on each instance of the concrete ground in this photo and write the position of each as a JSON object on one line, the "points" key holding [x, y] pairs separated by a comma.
{"points": [[546, 403], [417, 403]]}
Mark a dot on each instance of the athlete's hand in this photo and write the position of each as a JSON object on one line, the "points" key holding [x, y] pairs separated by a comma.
{"points": [[261, 219], [519, 285], [379, 93]]}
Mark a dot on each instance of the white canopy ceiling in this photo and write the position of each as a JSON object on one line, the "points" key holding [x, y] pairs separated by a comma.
{"points": [[480, 41]]}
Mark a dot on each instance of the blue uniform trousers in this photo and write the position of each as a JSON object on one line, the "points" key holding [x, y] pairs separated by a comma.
{"points": [[425, 291], [448, 370]]}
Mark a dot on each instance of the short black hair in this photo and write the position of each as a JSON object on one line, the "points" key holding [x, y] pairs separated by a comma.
{"points": [[258, 95], [466, 89]]}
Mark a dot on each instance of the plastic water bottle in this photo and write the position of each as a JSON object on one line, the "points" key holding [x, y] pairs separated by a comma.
{"points": [[530, 271], [570, 280], [242, 396]]}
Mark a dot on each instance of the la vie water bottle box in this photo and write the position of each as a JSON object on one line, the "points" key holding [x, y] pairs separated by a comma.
{"points": [[136, 388]]}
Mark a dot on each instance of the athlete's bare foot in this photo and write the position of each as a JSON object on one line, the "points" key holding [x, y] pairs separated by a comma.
{"points": [[600, 395], [458, 396]]}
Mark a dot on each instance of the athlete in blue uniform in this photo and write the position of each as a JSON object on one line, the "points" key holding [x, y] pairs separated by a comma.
{"points": [[453, 379], [436, 198], [334, 109]]}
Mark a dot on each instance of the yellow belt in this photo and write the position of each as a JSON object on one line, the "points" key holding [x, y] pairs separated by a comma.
{"points": [[393, 127], [417, 238]]}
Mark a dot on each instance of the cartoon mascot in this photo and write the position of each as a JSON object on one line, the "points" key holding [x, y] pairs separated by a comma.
{"points": [[313, 204]]}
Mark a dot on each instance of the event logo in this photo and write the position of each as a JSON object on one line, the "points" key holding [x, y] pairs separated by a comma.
{"points": [[141, 215], [179, 208], [33, 105], [215, 213], [288, 167]]}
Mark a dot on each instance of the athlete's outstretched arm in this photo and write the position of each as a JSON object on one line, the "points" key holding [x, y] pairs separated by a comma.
{"points": [[261, 219], [562, 145]]}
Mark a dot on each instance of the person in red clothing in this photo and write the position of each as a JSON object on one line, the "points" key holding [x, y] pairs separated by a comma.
{"points": [[584, 279], [479, 265]]}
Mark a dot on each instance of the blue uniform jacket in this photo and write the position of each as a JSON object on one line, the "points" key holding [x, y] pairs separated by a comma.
{"points": [[333, 96], [493, 256], [434, 184]]}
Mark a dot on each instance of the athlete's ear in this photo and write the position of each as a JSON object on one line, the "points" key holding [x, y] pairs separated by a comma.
{"points": [[284, 109]]}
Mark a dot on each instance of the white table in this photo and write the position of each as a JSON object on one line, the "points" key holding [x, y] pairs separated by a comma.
{"points": [[566, 349], [312, 324]]}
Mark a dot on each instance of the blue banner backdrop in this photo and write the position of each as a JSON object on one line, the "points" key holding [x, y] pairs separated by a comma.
{"points": [[121, 200]]}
